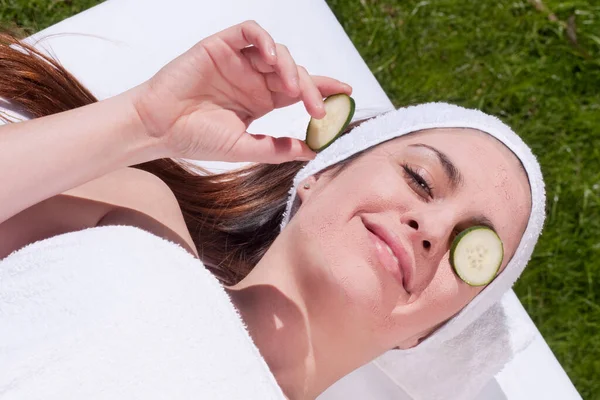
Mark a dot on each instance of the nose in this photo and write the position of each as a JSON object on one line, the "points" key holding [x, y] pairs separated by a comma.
{"points": [[431, 229], [428, 234], [415, 226]]}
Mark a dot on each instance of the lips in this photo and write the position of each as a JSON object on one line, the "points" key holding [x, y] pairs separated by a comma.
{"points": [[392, 254]]}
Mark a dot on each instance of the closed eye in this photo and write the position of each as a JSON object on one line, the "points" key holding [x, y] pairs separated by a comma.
{"points": [[418, 183]]}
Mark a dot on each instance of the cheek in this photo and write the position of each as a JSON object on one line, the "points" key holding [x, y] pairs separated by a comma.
{"points": [[366, 289], [343, 277], [376, 185], [445, 295], [343, 274]]}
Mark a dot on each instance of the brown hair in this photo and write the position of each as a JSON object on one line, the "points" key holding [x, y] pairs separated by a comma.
{"points": [[233, 217]]}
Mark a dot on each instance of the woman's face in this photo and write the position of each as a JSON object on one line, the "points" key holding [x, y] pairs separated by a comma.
{"points": [[416, 193]]}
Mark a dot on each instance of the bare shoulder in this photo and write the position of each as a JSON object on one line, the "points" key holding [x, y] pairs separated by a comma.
{"points": [[131, 188], [141, 192]]}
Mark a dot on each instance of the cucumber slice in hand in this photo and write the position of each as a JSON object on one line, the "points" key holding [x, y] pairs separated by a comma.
{"points": [[339, 110], [476, 255]]}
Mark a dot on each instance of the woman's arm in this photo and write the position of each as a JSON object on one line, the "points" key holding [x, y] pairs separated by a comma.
{"points": [[199, 106], [47, 156]]}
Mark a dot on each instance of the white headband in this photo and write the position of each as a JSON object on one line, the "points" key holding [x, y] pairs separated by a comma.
{"points": [[403, 121]]}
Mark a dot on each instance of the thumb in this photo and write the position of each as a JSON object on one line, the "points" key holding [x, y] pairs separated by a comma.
{"points": [[269, 150]]}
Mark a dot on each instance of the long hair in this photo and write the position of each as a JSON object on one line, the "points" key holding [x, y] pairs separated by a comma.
{"points": [[233, 217]]}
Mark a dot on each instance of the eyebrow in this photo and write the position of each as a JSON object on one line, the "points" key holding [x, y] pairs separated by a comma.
{"points": [[453, 174], [456, 178]]}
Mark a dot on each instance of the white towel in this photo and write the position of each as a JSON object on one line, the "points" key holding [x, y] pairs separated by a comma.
{"points": [[460, 358], [118, 313]]}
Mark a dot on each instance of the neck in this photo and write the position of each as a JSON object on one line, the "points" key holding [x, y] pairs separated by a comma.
{"points": [[293, 338], [306, 348], [277, 322]]}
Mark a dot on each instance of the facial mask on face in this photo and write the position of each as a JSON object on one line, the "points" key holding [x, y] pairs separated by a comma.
{"points": [[464, 353]]}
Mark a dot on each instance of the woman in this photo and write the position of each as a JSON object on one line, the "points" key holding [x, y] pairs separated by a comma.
{"points": [[322, 273]]}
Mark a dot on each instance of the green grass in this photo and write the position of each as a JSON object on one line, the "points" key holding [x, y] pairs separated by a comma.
{"points": [[34, 15], [509, 59]]}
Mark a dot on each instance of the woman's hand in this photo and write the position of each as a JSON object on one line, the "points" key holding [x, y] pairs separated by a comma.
{"points": [[198, 106], [201, 104]]}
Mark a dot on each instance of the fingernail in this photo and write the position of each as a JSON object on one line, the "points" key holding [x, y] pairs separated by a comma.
{"points": [[321, 108], [302, 158], [272, 51], [347, 87]]}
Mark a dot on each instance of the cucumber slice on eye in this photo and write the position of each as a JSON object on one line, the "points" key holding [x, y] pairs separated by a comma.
{"points": [[476, 255], [321, 133]]}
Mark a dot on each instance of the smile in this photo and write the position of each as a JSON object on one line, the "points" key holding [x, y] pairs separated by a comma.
{"points": [[392, 255]]}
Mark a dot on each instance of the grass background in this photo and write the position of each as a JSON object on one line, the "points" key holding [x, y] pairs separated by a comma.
{"points": [[535, 64]]}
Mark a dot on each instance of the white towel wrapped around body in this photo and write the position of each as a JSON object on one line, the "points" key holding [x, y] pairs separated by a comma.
{"points": [[118, 313]]}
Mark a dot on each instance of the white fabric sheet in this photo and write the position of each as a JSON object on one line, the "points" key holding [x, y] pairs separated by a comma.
{"points": [[120, 43]]}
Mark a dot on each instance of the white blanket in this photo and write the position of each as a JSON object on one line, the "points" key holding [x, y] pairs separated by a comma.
{"points": [[118, 313]]}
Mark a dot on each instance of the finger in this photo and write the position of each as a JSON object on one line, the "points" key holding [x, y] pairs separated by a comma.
{"points": [[288, 70], [275, 84], [270, 150], [310, 95], [250, 33], [329, 86], [256, 59], [326, 86]]}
